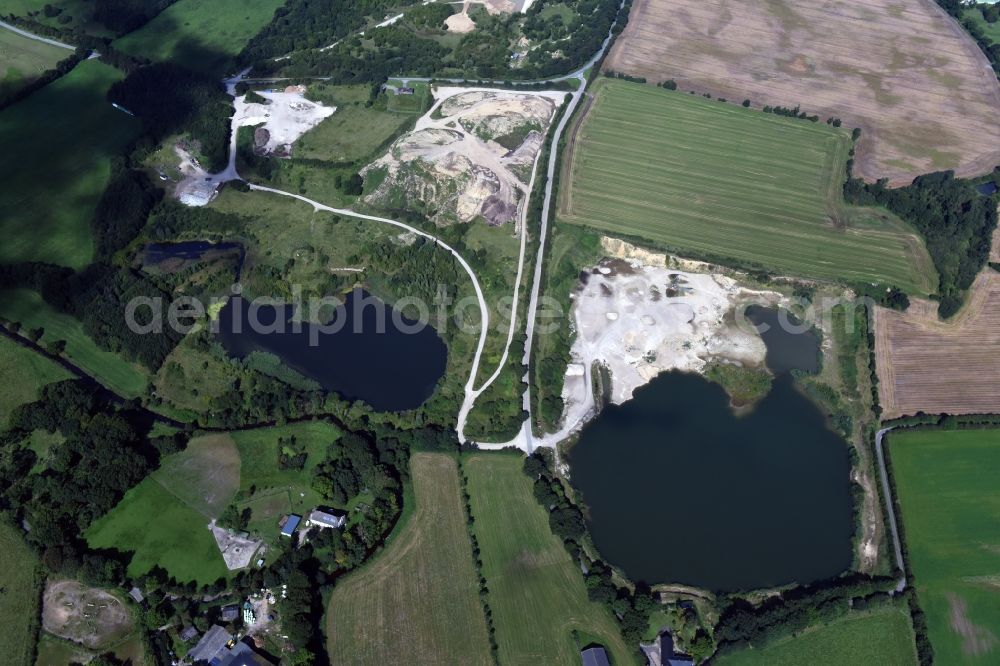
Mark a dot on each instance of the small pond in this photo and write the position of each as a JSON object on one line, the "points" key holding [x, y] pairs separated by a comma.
{"points": [[368, 351], [176, 256], [682, 490]]}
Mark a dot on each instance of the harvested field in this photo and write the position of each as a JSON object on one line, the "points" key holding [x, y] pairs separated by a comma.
{"points": [[419, 596], [925, 364], [702, 178], [906, 73], [205, 475], [85, 615]]}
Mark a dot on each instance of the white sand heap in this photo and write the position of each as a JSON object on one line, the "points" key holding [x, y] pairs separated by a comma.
{"points": [[286, 116], [639, 317]]}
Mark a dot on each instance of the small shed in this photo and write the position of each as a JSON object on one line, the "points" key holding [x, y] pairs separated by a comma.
{"points": [[290, 525], [595, 655], [188, 634], [230, 613]]}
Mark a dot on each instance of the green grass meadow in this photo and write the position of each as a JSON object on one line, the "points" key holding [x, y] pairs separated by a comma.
{"points": [[270, 492], [23, 60], [882, 637], [164, 520], [711, 178], [202, 35], [536, 591], [28, 308], [25, 373], [57, 148], [77, 14], [419, 596], [21, 579], [948, 487], [354, 131], [992, 30]]}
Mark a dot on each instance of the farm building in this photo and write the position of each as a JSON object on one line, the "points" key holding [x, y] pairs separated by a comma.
{"points": [[322, 519], [667, 654], [211, 644], [242, 654], [291, 522], [595, 655]]}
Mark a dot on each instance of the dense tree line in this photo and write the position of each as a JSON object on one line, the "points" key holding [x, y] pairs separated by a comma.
{"points": [[45, 78], [170, 99], [98, 296], [122, 211], [397, 50], [121, 16], [631, 608], [104, 454], [300, 27], [956, 222], [743, 623], [989, 48], [310, 24]]}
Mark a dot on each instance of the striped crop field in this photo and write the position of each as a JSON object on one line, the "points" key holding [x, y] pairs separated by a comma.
{"points": [[719, 181]]}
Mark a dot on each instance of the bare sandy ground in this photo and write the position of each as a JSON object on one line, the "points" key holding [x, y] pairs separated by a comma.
{"points": [[639, 314], [905, 72], [85, 615], [237, 550], [287, 116], [451, 161]]}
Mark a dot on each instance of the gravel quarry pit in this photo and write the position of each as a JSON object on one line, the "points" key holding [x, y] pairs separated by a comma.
{"points": [[638, 314], [452, 160]]}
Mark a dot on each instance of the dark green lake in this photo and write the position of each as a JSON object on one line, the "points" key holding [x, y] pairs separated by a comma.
{"points": [[681, 490]]}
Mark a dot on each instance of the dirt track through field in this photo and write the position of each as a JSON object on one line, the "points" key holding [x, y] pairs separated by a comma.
{"points": [[941, 366], [906, 73]]}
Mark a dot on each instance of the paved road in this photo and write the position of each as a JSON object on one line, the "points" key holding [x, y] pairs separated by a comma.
{"points": [[37, 38], [891, 510]]}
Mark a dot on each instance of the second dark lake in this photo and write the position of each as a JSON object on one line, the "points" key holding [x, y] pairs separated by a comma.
{"points": [[680, 489], [390, 366]]}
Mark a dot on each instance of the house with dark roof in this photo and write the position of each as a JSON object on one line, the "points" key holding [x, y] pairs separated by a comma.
{"points": [[595, 655], [230, 613], [668, 656], [290, 524], [326, 518], [242, 654], [211, 645]]}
